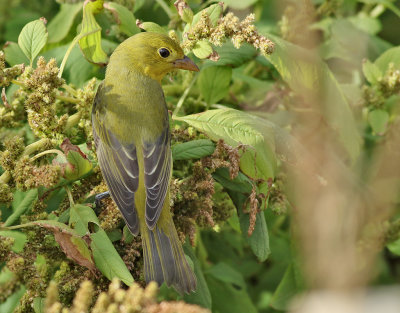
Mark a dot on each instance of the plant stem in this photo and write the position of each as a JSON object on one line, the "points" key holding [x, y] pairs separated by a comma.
{"points": [[183, 97], [67, 99], [35, 146], [71, 90], [165, 7], [48, 152], [5, 177], [69, 193], [73, 120]]}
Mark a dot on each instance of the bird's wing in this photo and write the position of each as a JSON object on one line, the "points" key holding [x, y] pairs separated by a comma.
{"points": [[157, 160], [118, 164]]}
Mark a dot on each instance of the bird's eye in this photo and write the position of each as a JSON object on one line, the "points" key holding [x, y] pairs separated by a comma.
{"points": [[164, 52]]}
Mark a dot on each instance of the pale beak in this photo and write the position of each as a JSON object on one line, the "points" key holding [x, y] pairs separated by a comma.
{"points": [[186, 64]]}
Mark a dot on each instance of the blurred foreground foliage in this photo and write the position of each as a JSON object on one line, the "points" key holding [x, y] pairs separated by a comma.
{"points": [[232, 132]]}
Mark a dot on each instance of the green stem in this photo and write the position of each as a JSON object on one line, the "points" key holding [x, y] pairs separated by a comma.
{"points": [[73, 120], [69, 193], [67, 99], [5, 177], [17, 82], [71, 46], [165, 7], [51, 151], [183, 97], [71, 90]]}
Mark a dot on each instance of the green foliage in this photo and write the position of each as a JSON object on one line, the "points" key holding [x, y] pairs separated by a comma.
{"points": [[238, 129]]}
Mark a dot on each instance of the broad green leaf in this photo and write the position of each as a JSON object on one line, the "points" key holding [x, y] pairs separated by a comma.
{"points": [[391, 56], [305, 74], [12, 301], [226, 273], [61, 24], [239, 4], [125, 19], [19, 239], [91, 44], [371, 72], [394, 247], [378, 120], [214, 83], [202, 49], [241, 183], [14, 55], [366, 23], [194, 149], [202, 294], [32, 39], [39, 305], [153, 28], [237, 127], [290, 285], [80, 216], [29, 197], [78, 166], [107, 259], [127, 236], [227, 298], [229, 55], [214, 11]]}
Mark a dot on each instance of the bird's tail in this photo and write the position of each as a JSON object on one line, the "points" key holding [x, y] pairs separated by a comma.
{"points": [[164, 259]]}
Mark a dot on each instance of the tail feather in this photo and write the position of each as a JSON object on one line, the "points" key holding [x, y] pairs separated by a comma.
{"points": [[164, 259]]}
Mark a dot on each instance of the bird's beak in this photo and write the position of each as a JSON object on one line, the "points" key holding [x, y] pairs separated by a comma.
{"points": [[186, 64]]}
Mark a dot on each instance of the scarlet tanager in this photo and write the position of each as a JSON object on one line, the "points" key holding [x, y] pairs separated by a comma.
{"points": [[132, 138]]}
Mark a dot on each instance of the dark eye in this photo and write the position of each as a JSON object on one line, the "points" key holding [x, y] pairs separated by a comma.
{"points": [[164, 52]]}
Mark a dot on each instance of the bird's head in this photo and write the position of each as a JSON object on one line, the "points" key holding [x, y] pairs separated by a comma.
{"points": [[152, 54]]}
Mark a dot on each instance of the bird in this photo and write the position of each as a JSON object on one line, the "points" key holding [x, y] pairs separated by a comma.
{"points": [[130, 123]]}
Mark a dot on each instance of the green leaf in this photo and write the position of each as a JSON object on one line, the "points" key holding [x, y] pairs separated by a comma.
{"points": [[239, 4], [378, 120], [194, 149], [80, 216], [371, 72], [91, 44], [12, 301], [290, 285], [61, 24], [127, 236], [226, 273], [237, 127], [153, 28], [305, 73], [366, 23], [240, 183], [394, 247], [32, 39], [202, 294], [19, 239], [391, 56], [14, 55], [107, 259], [230, 56], [125, 19], [202, 49], [78, 166], [214, 83], [228, 298], [23, 206], [214, 11], [38, 305]]}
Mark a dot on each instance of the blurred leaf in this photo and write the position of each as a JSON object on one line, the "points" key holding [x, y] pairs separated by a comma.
{"points": [[125, 19], [202, 49], [230, 56], [32, 39], [19, 239], [38, 305], [22, 206], [366, 23], [107, 259], [226, 273], [239, 4], [378, 120], [12, 301], [237, 127], [371, 72], [61, 24], [306, 73], [80, 216], [394, 247], [152, 27], [91, 44], [214, 83], [227, 298], [202, 294], [194, 149], [78, 166], [290, 285], [14, 55], [391, 56]]}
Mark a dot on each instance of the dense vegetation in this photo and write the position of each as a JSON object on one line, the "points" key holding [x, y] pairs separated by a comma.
{"points": [[285, 149]]}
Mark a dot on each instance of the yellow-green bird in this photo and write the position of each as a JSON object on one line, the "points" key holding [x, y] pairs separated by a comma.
{"points": [[132, 138]]}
